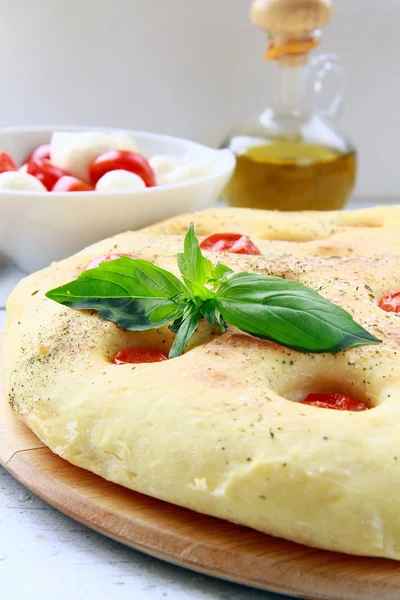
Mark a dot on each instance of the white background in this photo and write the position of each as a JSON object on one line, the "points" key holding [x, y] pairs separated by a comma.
{"points": [[192, 68]]}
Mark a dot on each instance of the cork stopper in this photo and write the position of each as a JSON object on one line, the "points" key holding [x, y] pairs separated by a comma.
{"points": [[291, 16], [292, 23]]}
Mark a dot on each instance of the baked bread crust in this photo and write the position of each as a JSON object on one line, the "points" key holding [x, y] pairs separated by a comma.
{"points": [[218, 430]]}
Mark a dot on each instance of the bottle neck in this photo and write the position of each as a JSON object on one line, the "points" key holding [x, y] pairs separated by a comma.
{"points": [[289, 90]]}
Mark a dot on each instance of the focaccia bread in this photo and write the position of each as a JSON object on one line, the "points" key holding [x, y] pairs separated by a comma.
{"points": [[220, 430]]}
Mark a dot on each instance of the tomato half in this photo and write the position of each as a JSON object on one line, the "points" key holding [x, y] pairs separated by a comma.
{"points": [[138, 355], [7, 163], [335, 401], [42, 151], [229, 242], [122, 159], [391, 302], [105, 258], [45, 171], [71, 184]]}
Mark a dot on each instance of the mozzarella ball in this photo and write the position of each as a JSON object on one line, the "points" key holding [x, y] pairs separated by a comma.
{"points": [[120, 180], [122, 141], [15, 180], [75, 151], [187, 173], [163, 164]]}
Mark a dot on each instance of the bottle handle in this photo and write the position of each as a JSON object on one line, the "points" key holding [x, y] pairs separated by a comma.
{"points": [[322, 68]]}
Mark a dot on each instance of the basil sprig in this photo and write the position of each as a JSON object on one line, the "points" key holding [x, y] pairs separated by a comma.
{"points": [[137, 295]]}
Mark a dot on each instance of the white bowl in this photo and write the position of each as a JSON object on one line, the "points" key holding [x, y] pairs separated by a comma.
{"points": [[37, 228]]}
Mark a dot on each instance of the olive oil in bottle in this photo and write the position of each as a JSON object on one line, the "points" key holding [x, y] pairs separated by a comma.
{"points": [[288, 174]]}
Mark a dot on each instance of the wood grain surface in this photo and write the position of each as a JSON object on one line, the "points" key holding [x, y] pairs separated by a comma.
{"points": [[186, 538]]}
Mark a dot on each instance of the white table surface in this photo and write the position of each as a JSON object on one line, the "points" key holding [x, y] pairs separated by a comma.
{"points": [[46, 555]]}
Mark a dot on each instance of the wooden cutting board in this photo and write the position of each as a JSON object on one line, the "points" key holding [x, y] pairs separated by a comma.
{"points": [[186, 538]]}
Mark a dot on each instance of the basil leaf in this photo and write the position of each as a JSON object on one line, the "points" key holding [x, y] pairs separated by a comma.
{"points": [[133, 293], [138, 295], [192, 264], [198, 270], [154, 278], [174, 327], [289, 313], [221, 321], [186, 329], [210, 312], [199, 292], [221, 272]]}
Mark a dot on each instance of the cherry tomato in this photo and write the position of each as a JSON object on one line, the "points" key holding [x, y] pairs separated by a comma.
{"points": [[391, 302], [122, 159], [335, 401], [105, 258], [42, 151], [229, 242], [138, 355], [7, 163], [71, 184], [45, 171]]}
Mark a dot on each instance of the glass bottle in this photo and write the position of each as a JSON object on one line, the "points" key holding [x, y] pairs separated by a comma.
{"points": [[291, 157]]}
